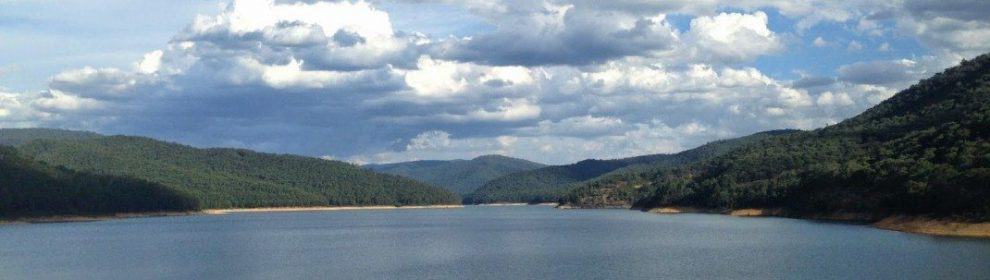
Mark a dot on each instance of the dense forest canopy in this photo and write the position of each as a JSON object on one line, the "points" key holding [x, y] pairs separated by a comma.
{"points": [[29, 188], [923, 151], [224, 178], [20, 136], [459, 176]]}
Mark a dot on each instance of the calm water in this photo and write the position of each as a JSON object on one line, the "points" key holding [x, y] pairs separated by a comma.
{"points": [[480, 242]]}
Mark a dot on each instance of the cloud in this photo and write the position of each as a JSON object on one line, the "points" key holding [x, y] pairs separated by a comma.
{"points": [[879, 72], [884, 47], [577, 126], [732, 37], [14, 112], [436, 78], [812, 81], [509, 110], [564, 34], [430, 140], [854, 46], [819, 42], [552, 81], [957, 27], [151, 62]]}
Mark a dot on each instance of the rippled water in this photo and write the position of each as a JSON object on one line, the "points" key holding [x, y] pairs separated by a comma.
{"points": [[480, 242]]}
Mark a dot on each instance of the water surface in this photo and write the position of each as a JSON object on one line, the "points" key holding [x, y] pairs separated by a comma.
{"points": [[532, 242]]}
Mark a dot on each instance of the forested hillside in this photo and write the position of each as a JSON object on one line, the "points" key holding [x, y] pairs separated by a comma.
{"points": [[549, 184], [459, 176], [223, 178], [618, 188], [32, 189], [922, 152], [20, 136]]}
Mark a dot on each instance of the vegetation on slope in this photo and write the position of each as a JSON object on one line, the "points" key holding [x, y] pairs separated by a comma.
{"points": [[225, 178], [619, 188], [922, 152], [549, 184], [21, 136], [30, 189], [459, 176]]}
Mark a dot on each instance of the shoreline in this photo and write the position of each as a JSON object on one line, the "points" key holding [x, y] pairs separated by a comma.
{"points": [[322, 208], [935, 227], [515, 204], [908, 224], [95, 218]]}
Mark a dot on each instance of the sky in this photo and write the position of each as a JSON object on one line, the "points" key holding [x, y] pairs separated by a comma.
{"points": [[553, 81]]}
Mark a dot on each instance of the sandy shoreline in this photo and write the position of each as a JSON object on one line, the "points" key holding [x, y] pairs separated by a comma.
{"points": [[917, 225], [515, 204], [323, 208], [935, 227], [93, 218]]}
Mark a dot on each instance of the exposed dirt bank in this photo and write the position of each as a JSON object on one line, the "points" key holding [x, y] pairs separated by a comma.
{"points": [[921, 225], [935, 227]]}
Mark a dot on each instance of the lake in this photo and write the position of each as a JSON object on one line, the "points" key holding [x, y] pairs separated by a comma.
{"points": [[480, 242]]}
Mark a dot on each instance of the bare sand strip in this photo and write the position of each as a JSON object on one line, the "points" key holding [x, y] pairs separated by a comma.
{"points": [[680, 210], [516, 204], [920, 225], [93, 218], [935, 227], [323, 208]]}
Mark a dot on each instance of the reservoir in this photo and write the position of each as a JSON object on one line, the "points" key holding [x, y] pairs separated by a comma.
{"points": [[480, 242]]}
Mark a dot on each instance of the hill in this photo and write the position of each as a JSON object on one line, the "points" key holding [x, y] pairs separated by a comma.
{"points": [[924, 152], [226, 178], [549, 184], [20, 136], [33, 189], [459, 176]]}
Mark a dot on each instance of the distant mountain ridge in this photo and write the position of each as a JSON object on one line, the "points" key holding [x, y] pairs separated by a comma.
{"points": [[459, 176], [550, 183]]}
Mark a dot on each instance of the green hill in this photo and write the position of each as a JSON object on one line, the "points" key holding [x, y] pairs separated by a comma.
{"points": [[224, 178], [619, 187], [924, 151], [549, 184], [20, 136], [32, 189], [459, 176]]}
